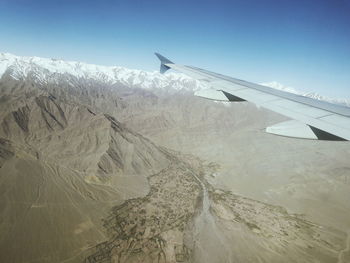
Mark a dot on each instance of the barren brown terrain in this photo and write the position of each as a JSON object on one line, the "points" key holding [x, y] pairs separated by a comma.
{"points": [[107, 172]]}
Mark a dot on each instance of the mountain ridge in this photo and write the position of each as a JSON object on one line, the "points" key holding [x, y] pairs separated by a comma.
{"points": [[46, 70]]}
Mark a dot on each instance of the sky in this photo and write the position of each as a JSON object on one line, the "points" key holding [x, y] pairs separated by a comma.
{"points": [[304, 44]]}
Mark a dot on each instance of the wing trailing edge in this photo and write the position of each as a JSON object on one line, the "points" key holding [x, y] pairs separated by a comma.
{"points": [[211, 94], [296, 129], [292, 128]]}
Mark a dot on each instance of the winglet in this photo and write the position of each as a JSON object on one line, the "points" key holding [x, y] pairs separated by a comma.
{"points": [[163, 61]]}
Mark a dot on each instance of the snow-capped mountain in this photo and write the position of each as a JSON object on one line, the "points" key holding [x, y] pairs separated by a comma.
{"points": [[277, 85], [314, 95], [46, 70]]}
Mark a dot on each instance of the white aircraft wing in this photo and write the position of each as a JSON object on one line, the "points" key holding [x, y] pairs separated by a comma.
{"points": [[311, 118]]}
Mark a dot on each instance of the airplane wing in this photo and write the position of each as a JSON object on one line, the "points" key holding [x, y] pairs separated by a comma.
{"points": [[311, 118]]}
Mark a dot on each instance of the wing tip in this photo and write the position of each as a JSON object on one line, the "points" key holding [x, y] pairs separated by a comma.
{"points": [[163, 62], [163, 59]]}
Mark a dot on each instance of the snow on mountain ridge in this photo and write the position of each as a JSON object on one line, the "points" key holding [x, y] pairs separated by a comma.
{"points": [[277, 85], [44, 69], [313, 95]]}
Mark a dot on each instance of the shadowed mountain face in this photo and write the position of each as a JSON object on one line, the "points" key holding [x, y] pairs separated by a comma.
{"points": [[63, 166], [87, 174]]}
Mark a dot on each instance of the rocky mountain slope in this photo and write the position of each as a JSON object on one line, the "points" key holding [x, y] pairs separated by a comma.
{"points": [[62, 166], [87, 173]]}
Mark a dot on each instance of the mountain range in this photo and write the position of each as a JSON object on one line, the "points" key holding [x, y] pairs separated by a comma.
{"points": [[107, 164], [45, 70]]}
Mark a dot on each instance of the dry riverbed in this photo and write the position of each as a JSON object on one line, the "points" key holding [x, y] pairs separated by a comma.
{"points": [[184, 219]]}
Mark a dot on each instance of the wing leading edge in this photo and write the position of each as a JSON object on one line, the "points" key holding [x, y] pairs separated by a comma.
{"points": [[312, 119]]}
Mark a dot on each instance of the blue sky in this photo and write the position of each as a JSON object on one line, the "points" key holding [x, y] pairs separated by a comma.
{"points": [[303, 44]]}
